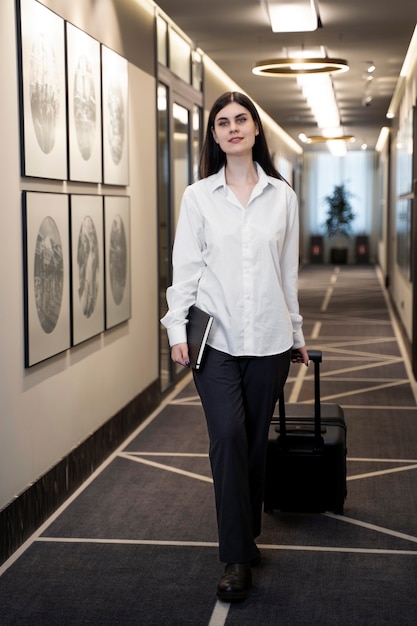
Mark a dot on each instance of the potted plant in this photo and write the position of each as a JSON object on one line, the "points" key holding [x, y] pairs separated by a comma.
{"points": [[338, 223]]}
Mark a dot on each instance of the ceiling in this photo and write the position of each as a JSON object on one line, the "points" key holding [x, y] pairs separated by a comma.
{"points": [[237, 33]]}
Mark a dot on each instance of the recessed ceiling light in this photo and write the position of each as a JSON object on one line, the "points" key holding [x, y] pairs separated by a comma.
{"points": [[293, 16]]}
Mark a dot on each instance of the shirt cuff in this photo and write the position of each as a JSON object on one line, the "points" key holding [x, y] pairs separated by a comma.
{"points": [[177, 334], [298, 339]]}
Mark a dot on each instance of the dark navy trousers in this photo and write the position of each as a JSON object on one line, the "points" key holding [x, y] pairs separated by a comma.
{"points": [[238, 395]]}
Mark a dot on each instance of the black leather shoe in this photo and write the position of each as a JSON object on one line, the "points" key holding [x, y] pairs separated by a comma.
{"points": [[235, 583]]}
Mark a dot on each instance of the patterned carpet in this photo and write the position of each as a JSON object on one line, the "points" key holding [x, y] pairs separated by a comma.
{"points": [[137, 544]]}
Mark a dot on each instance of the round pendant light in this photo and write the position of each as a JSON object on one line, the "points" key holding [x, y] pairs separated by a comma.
{"points": [[323, 139], [294, 66]]}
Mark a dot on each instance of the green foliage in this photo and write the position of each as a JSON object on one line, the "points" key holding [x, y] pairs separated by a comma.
{"points": [[340, 214]]}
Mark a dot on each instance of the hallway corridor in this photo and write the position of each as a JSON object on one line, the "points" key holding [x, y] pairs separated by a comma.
{"points": [[136, 545]]}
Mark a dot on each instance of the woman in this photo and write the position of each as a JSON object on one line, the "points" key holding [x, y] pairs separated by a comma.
{"points": [[236, 257]]}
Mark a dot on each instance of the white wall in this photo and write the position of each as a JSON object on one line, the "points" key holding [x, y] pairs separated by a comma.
{"points": [[50, 408], [401, 288]]}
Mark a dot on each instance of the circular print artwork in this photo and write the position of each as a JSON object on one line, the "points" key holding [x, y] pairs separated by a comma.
{"points": [[48, 274], [116, 120], [44, 93], [88, 266], [85, 107], [118, 259]]}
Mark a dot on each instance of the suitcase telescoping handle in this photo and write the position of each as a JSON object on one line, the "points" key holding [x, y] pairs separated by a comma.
{"points": [[316, 356]]}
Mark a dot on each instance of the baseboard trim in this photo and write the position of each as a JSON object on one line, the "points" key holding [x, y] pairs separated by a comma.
{"points": [[25, 513]]}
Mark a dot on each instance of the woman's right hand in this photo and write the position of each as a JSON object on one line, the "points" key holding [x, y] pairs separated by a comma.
{"points": [[179, 354], [303, 358]]}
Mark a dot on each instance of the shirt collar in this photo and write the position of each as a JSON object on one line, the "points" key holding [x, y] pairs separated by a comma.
{"points": [[219, 179]]}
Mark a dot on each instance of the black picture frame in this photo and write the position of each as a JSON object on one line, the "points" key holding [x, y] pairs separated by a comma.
{"points": [[46, 275], [87, 267], [84, 106], [115, 112], [42, 92], [117, 259]]}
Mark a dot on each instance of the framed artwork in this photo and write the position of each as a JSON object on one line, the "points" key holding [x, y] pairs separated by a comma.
{"points": [[87, 266], [117, 259], [115, 118], [84, 106], [46, 275], [43, 92]]}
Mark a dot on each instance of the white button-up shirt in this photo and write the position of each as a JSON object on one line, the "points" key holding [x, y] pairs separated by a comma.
{"points": [[240, 264]]}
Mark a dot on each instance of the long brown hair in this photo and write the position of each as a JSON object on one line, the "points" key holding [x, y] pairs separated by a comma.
{"points": [[213, 158]]}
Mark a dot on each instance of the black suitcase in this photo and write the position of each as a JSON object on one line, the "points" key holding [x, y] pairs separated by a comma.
{"points": [[306, 455]]}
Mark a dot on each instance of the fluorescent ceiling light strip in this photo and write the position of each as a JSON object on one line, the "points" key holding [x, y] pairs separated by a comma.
{"points": [[320, 96], [405, 73], [382, 139], [290, 16], [410, 57], [319, 93]]}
